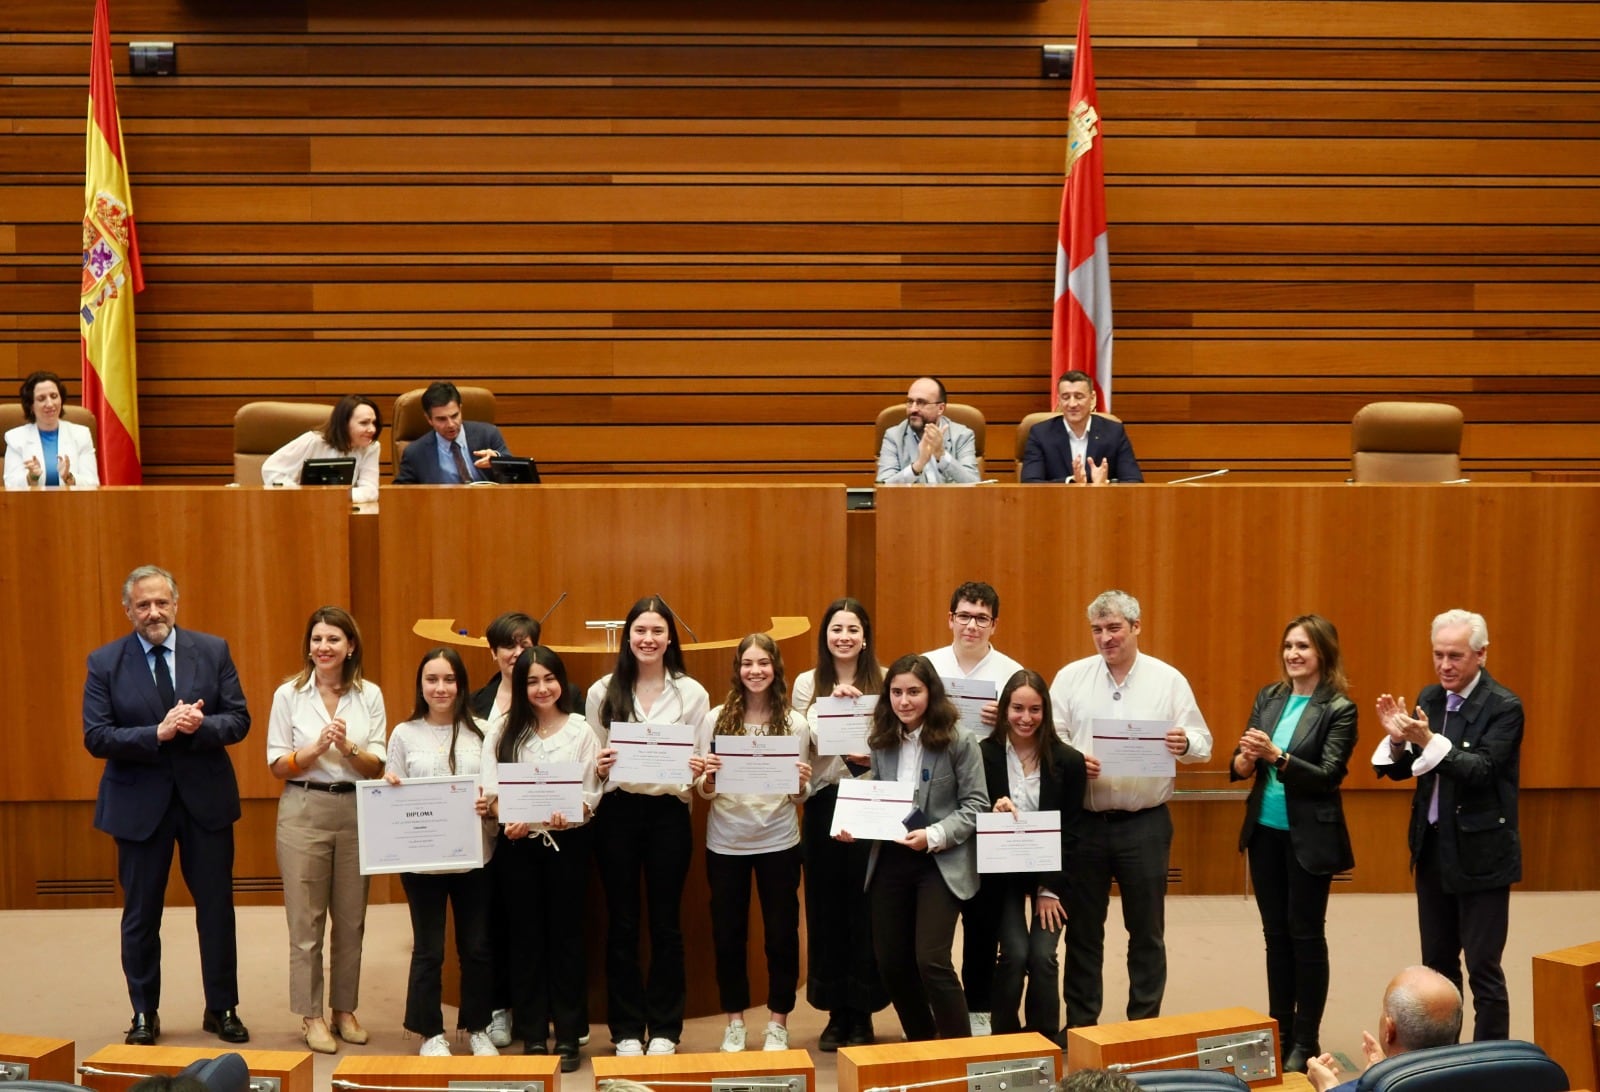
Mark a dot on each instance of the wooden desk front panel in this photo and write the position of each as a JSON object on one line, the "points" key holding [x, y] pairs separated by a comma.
{"points": [[47, 1059], [895, 1065], [292, 1067]]}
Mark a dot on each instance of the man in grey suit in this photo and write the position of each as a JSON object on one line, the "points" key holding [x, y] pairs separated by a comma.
{"points": [[458, 452], [927, 446]]}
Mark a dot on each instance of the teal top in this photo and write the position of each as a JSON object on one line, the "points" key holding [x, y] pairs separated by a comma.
{"points": [[51, 443], [1274, 811]]}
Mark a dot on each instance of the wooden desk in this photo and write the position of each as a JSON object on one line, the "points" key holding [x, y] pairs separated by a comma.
{"points": [[1566, 1010], [47, 1059], [707, 1067], [291, 1067], [1133, 1041], [411, 1071], [892, 1065]]}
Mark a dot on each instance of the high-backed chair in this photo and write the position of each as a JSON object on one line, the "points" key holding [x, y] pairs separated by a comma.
{"points": [[410, 423], [1468, 1067], [1405, 442], [1025, 426], [11, 416], [960, 412], [1189, 1080], [260, 428]]}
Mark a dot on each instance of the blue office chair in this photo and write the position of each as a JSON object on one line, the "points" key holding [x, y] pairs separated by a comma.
{"points": [[1509, 1066]]}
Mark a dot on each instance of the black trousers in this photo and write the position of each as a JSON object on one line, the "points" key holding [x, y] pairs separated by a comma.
{"points": [[644, 844], [499, 925], [914, 929], [1474, 923], [1027, 949], [542, 895], [841, 969], [777, 879], [1294, 923], [980, 944], [468, 895], [1132, 848], [206, 860]]}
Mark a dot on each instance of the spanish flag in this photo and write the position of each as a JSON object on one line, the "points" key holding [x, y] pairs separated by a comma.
{"points": [[111, 273]]}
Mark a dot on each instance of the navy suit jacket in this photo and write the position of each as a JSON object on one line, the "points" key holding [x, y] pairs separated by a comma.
{"points": [[1479, 847], [1047, 457], [121, 712], [419, 465]]}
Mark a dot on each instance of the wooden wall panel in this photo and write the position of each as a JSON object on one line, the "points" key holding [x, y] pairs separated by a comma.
{"points": [[757, 226]]}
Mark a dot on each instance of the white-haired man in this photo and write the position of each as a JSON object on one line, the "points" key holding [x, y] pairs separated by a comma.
{"points": [[1421, 1010]]}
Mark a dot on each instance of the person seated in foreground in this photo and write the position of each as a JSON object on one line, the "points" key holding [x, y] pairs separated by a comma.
{"points": [[1080, 447], [1421, 1009]]}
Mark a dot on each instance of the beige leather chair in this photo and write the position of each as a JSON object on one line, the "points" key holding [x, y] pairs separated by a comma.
{"points": [[410, 423], [260, 428], [1025, 426], [11, 416], [970, 416], [1405, 442]]}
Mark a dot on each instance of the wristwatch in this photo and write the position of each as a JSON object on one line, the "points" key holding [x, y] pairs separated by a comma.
{"points": [[1281, 761]]}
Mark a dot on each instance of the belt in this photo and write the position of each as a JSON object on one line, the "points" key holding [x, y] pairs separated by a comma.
{"points": [[1116, 815], [326, 786]]}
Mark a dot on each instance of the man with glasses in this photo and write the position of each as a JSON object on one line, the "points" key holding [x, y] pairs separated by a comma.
{"points": [[927, 446]]}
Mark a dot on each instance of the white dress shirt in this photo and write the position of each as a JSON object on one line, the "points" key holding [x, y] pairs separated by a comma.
{"points": [[283, 466], [574, 741], [996, 667], [1084, 691], [682, 701], [298, 717]]}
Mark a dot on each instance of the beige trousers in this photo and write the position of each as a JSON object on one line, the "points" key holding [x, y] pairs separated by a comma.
{"points": [[321, 868]]}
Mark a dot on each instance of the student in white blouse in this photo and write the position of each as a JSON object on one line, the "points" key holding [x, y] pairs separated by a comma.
{"points": [[643, 834], [442, 739], [841, 971], [543, 868], [48, 450], [352, 431], [326, 733], [752, 836]]}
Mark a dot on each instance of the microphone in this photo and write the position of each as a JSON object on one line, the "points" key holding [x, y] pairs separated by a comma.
{"points": [[552, 609], [1200, 477], [679, 619]]}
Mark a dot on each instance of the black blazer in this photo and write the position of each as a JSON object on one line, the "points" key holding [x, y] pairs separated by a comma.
{"points": [[1047, 456], [419, 465], [1062, 792], [1319, 758], [1479, 847], [121, 712], [482, 701]]}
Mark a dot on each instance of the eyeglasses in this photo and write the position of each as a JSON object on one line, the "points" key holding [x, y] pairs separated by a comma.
{"points": [[921, 403], [982, 621]]}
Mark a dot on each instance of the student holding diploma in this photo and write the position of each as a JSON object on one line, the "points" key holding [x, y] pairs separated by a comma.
{"points": [[1297, 748], [1027, 769], [917, 883], [544, 872], [643, 833], [442, 740], [841, 974], [753, 835]]}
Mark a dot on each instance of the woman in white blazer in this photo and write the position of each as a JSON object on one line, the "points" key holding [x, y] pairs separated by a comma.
{"points": [[48, 451]]}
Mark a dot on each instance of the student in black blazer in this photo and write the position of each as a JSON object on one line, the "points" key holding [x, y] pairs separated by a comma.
{"points": [[1108, 454], [1297, 747], [1027, 769]]}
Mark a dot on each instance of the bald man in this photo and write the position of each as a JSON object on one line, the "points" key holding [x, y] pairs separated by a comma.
{"points": [[1421, 1009]]}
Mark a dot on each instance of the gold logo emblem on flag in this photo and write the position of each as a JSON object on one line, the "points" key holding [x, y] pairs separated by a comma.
{"points": [[105, 248], [1082, 128]]}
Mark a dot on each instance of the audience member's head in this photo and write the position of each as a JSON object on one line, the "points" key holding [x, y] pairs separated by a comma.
{"points": [[1421, 1009], [1096, 1080]]}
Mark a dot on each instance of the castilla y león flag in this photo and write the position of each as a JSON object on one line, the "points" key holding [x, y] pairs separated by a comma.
{"points": [[111, 273], [1080, 337]]}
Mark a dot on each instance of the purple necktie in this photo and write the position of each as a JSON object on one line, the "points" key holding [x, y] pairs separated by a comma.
{"points": [[1452, 704]]}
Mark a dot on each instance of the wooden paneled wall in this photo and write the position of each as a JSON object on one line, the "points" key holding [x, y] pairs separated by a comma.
{"points": [[709, 239]]}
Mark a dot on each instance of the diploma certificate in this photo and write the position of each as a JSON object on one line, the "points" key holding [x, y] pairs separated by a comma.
{"points": [[760, 765], [1133, 748], [1022, 841], [532, 792], [970, 696], [873, 810], [427, 824], [651, 754], [843, 724]]}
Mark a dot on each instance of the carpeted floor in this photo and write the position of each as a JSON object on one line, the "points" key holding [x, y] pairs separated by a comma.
{"points": [[62, 976]]}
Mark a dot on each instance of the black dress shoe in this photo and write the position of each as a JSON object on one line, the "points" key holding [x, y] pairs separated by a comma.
{"points": [[861, 1033], [1299, 1055], [836, 1034], [225, 1025], [145, 1029], [535, 1046], [569, 1056]]}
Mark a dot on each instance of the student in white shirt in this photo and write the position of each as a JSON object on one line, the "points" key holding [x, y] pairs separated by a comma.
{"points": [[643, 834], [756, 837], [442, 740], [326, 732], [917, 883], [544, 867], [841, 971], [351, 432]]}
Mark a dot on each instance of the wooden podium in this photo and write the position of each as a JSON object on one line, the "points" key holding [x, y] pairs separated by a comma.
{"points": [[356, 1071], [1185, 1042], [750, 1066], [893, 1065], [1566, 1010], [292, 1068], [45, 1059]]}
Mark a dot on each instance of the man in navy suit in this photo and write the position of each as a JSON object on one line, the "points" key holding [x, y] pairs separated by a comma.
{"points": [[160, 706], [1463, 745], [458, 452], [1079, 446]]}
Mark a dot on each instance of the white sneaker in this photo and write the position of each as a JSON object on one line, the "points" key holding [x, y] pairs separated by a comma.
{"points": [[630, 1048], [482, 1045], [777, 1037], [659, 1045], [733, 1038], [436, 1047], [500, 1028], [979, 1022], [583, 1040]]}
